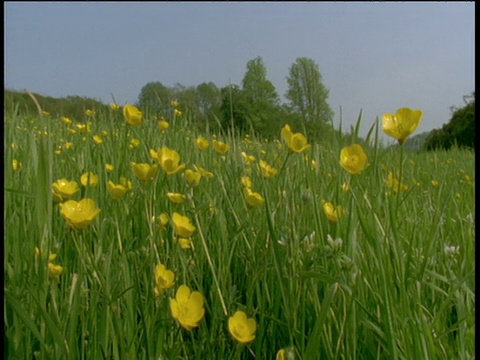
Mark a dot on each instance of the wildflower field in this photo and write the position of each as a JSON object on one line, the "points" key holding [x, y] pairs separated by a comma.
{"points": [[135, 237]]}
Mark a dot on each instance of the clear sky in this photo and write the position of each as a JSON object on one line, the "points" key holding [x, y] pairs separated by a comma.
{"points": [[377, 57]]}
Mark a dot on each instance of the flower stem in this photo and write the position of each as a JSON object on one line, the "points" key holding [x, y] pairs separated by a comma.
{"points": [[399, 177], [210, 263]]}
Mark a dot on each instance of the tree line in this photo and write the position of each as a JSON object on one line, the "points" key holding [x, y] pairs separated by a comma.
{"points": [[253, 106]]}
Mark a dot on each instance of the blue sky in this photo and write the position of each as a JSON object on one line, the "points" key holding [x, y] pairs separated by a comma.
{"points": [[377, 57]]}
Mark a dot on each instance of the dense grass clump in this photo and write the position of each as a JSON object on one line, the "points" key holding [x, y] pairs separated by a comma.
{"points": [[321, 263]]}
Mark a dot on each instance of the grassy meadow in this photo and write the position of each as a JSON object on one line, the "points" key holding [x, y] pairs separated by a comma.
{"points": [[385, 272]]}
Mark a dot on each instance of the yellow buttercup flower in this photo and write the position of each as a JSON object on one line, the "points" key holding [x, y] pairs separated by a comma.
{"points": [[16, 164], [134, 143], [133, 115], [203, 172], [39, 253], [202, 143], [253, 199], [296, 142], [435, 183], [286, 133], [114, 106], [164, 279], [267, 170], [89, 112], [299, 143], [161, 221], [176, 197], [68, 145], [98, 139], [185, 243], [177, 112], [125, 182], [169, 160], [109, 167], [164, 125], [144, 171], [220, 147], [402, 124], [286, 354], [394, 184], [64, 189], [242, 328], [54, 271], [116, 191], [246, 181], [187, 307], [353, 159], [193, 177], [81, 127], [67, 120], [183, 226], [248, 159], [174, 103], [89, 179], [333, 212], [79, 214]]}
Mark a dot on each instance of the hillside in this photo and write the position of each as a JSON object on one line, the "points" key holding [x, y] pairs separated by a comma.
{"points": [[72, 106], [416, 142]]}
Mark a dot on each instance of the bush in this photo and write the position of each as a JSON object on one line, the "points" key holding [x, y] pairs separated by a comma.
{"points": [[460, 131]]}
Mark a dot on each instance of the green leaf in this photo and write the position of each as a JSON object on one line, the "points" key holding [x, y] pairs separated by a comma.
{"points": [[313, 346], [19, 192], [24, 316]]}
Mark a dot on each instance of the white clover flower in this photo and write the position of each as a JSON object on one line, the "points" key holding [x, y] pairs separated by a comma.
{"points": [[284, 239], [451, 250], [308, 241], [334, 244]]}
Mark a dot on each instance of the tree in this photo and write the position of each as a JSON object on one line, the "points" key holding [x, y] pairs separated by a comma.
{"points": [[234, 108], [208, 101], [459, 131], [258, 89], [307, 95], [156, 97], [260, 95], [187, 99]]}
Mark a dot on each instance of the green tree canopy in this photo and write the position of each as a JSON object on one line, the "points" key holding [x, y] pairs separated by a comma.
{"points": [[261, 98], [156, 97], [208, 98], [459, 131], [306, 93], [187, 99], [208, 102], [234, 108], [258, 89]]}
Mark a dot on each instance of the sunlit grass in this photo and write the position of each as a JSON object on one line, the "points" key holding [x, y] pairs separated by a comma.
{"points": [[386, 272]]}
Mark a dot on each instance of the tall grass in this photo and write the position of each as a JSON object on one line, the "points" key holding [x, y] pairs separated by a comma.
{"points": [[398, 285]]}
